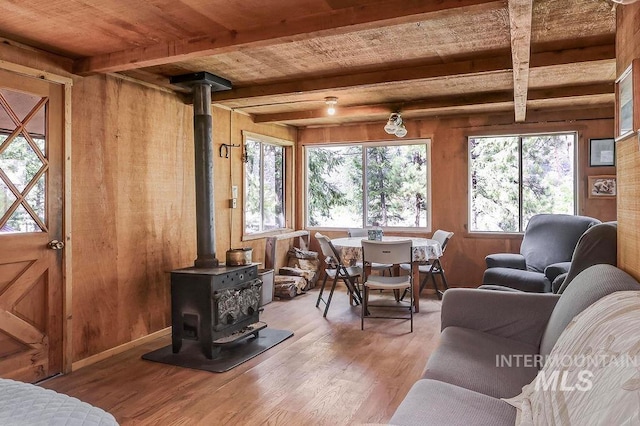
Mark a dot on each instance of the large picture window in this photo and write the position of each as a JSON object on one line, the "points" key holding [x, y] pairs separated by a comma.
{"points": [[515, 177], [366, 185], [264, 208]]}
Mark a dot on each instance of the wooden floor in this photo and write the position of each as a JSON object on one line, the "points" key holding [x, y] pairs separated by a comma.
{"points": [[329, 373]]}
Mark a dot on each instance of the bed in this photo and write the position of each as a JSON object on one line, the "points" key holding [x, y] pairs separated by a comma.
{"points": [[27, 404]]}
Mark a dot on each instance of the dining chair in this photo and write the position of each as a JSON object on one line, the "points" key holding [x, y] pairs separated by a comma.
{"points": [[364, 232], [392, 252], [434, 267], [337, 270]]}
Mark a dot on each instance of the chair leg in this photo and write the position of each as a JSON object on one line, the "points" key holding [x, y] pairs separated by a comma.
{"points": [[333, 287], [411, 310], [435, 285], [444, 284], [324, 282], [404, 293], [444, 280], [352, 289], [365, 304], [406, 290], [440, 271], [423, 283]]}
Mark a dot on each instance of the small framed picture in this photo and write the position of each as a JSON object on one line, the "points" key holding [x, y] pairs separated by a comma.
{"points": [[624, 100], [603, 186], [602, 152]]}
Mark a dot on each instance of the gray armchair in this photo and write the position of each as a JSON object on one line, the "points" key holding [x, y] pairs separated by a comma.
{"points": [[545, 253]]}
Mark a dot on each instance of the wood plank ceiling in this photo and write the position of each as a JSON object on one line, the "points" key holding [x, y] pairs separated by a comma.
{"points": [[423, 58]]}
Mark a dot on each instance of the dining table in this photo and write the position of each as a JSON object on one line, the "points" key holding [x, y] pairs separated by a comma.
{"points": [[424, 250]]}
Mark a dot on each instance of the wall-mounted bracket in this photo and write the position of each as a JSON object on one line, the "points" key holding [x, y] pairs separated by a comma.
{"points": [[225, 148]]}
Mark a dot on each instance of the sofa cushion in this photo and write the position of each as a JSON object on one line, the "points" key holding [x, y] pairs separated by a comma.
{"points": [[534, 282], [433, 403], [589, 286], [470, 359]]}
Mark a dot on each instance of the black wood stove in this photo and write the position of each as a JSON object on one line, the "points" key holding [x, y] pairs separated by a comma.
{"points": [[210, 303], [215, 306]]}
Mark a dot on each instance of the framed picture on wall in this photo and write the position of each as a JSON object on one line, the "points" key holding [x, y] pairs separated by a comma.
{"points": [[627, 116], [603, 186], [624, 102], [602, 152]]}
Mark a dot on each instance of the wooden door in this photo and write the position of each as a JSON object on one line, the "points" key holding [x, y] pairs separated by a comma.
{"points": [[31, 194]]}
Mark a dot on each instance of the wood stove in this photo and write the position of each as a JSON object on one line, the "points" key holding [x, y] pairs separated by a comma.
{"points": [[214, 306], [211, 303]]}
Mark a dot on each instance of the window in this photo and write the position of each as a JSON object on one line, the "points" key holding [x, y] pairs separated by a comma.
{"points": [[365, 185], [264, 208], [515, 177], [24, 162]]}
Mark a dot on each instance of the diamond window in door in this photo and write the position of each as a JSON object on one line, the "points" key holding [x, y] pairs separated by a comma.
{"points": [[23, 162]]}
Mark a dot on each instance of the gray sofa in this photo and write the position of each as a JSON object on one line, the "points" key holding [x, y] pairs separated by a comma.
{"points": [[545, 252], [462, 383], [598, 245]]}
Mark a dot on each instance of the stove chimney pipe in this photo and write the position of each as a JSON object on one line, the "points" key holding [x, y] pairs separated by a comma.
{"points": [[203, 144], [201, 84]]}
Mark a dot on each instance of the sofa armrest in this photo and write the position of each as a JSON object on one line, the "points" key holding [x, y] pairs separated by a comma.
{"points": [[513, 315], [557, 284], [498, 288], [506, 260], [555, 269]]}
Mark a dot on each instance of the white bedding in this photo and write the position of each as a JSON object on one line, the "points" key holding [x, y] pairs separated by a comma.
{"points": [[26, 404]]}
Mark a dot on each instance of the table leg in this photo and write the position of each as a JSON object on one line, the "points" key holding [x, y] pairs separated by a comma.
{"points": [[415, 273]]}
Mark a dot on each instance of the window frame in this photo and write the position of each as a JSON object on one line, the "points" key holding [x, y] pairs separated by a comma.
{"points": [[288, 188], [520, 136], [421, 141]]}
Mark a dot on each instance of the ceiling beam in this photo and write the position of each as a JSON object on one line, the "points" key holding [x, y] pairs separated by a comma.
{"points": [[371, 78], [154, 79], [571, 91], [406, 74], [520, 12], [339, 21], [439, 102], [568, 56]]}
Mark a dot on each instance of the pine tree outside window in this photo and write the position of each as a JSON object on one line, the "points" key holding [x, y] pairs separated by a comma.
{"points": [[512, 178], [368, 184], [264, 208]]}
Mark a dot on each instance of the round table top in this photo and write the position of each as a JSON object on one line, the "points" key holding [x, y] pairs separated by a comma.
{"points": [[357, 241], [424, 249]]}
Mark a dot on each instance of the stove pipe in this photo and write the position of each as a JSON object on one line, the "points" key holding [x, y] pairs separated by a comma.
{"points": [[203, 144], [202, 83]]}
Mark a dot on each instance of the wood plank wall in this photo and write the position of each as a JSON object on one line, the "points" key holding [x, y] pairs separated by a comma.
{"points": [[628, 150], [133, 211], [464, 260], [230, 171], [134, 206]]}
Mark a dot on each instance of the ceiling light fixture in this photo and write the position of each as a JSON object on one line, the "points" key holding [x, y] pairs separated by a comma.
{"points": [[331, 101], [395, 125]]}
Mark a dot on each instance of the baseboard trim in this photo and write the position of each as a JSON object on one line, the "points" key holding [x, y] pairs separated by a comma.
{"points": [[119, 349]]}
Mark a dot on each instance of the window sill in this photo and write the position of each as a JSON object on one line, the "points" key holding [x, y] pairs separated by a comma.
{"points": [[261, 235], [389, 231], [495, 235]]}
